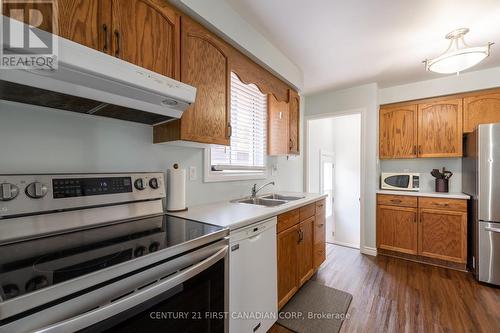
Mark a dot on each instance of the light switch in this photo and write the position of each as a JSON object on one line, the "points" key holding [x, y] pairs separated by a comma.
{"points": [[192, 173]]}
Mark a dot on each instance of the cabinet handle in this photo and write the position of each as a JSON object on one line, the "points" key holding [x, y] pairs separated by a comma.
{"points": [[320, 225], [105, 29], [440, 204], [291, 144], [420, 149], [117, 37], [396, 201], [229, 130], [414, 149], [298, 233]]}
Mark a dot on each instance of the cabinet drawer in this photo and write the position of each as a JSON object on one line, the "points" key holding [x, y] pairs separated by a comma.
{"points": [[287, 220], [443, 203], [320, 207], [307, 211], [319, 229], [396, 200]]}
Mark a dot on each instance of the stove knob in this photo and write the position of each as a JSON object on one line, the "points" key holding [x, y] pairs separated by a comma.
{"points": [[154, 247], [8, 191], [38, 282], [153, 183], [139, 251], [139, 184], [36, 190], [10, 291]]}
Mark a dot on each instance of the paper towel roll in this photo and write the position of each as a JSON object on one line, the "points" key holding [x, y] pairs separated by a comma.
{"points": [[176, 189]]}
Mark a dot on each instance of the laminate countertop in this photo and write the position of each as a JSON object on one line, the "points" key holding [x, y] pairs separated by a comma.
{"points": [[235, 215], [427, 194]]}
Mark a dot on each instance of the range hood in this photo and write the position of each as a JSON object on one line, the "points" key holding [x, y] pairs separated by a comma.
{"points": [[92, 82]]}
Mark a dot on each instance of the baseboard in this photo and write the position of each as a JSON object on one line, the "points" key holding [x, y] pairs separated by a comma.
{"points": [[354, 246], [371, 251]]}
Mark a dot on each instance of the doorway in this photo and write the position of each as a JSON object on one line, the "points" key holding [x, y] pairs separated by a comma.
{"points": [[334, 169]]}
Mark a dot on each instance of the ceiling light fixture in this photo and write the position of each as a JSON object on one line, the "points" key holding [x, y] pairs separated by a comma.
{"points": [[459, 56]]}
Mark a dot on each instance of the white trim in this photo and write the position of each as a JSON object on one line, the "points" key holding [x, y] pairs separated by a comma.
{"points": [[351, 245], [371, 251], [363, 112], [210, 176]]}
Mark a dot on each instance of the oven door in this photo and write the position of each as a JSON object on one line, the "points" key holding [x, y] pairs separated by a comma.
{"points": [[186, 294]]}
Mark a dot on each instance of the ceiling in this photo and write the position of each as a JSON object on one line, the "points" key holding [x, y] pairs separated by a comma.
{"points": [[339, 44]]}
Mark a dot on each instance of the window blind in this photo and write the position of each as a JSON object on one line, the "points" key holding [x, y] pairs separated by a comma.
{"points": [[249, 126]]}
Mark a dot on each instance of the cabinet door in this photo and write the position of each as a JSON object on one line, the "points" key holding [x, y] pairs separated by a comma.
{"points": [[277, 126], [481, 109], [81, 21], [443, 235], [440, 129], [305, 265], [205, 65], [319, 249], [146, 33], [287, 264], [294, 123], [398, 132], [397, 229]]}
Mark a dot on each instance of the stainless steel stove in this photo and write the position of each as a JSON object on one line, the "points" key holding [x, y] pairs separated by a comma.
{"points": [[95, 252]]}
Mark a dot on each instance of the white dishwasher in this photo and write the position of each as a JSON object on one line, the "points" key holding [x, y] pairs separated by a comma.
{"points": [[253, 285]]}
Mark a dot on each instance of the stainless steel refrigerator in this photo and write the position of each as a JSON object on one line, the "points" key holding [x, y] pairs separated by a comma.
{"points": [[481, 180]]}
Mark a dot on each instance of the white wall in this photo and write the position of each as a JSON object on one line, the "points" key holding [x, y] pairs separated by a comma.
{"points": [[41, 140], [347, 144], [221, 17], [362, 98], [446, 85], [424, 166]]}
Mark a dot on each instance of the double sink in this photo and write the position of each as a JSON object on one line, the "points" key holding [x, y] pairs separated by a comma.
{"points": [[269, 200]]}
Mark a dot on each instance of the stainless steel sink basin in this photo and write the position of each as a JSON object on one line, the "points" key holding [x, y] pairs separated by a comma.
{"points": [[261, 202], [275, 196]]}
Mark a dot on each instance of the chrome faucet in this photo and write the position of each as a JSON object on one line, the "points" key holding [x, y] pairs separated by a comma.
{"points": [[255, 189]]}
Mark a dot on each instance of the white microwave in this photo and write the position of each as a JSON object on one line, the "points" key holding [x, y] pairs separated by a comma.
{"points": [[402, 181]]}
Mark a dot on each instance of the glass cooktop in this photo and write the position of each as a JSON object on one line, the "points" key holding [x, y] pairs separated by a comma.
{"points": [[35, 264]]}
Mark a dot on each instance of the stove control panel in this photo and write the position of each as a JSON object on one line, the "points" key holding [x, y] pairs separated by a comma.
{"points": [[28, 194]]}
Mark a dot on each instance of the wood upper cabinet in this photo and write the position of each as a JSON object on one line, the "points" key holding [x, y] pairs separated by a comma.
{"points": [[83, 21], [147, 33], [442, 234], [398, 132], [305, 250], [204, 65], [277, 126], [481, 108], [440, 128], [397, 229], [294, 122], [287, 264]]}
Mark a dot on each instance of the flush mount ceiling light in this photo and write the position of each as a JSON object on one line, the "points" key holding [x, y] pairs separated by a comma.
{"points": [[459, 56]]}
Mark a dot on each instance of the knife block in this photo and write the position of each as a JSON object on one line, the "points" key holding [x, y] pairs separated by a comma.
{"points": [[442, 185]]}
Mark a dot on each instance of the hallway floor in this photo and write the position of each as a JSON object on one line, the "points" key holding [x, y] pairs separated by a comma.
{"points": [[394, 295]]}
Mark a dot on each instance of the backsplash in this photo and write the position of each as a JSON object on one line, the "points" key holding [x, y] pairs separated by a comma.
{"points": [[424, 166], [41, 140]]}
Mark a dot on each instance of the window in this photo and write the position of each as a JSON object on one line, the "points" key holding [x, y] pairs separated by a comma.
{"points": [[245, 158]]}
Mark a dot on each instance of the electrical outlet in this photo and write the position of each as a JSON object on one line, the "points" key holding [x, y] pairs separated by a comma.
{"points": [[274, 169], [192, 173]]}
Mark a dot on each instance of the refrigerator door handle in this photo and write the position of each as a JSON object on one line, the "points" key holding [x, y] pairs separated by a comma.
{"points": [[492, 229]]}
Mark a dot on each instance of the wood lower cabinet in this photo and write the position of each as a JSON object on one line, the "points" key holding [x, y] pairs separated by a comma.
{"points": [[398, 132], [440, 128], [305, 251], [147, 33], [434, 230], [481, 108], [397, 229], [442, 234], [287, 264], [300, 246]]}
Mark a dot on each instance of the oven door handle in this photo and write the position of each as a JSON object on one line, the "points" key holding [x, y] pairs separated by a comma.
{"points": [[102, 313]]}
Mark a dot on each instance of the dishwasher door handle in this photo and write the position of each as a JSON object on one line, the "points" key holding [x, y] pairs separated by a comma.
{"points": [[255, 238]]}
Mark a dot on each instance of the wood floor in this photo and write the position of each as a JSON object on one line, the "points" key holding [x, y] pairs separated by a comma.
{"points": [[394, 295]]}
